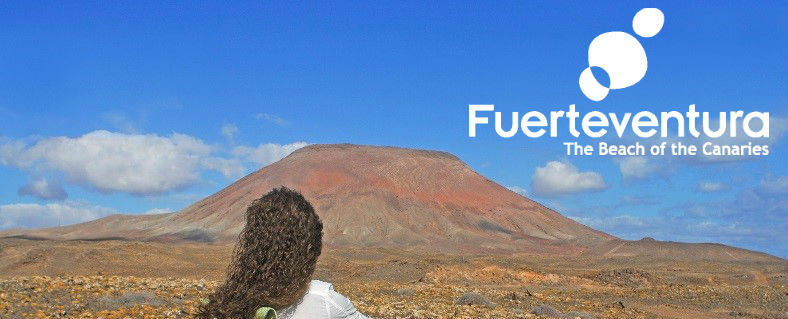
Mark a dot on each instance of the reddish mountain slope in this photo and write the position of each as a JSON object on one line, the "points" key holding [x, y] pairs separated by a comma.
{"points": [[369, 197]]}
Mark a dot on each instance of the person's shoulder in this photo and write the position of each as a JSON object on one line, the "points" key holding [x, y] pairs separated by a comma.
{"points": [[338, 303], [320, 287]]}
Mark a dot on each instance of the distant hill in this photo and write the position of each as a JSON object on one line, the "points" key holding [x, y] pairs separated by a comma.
{"points": [[675, 250]]}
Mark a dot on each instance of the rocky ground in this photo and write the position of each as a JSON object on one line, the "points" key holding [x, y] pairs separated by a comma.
{"points": [[145, 280]]}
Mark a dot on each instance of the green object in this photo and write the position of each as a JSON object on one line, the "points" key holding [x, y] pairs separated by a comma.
{"points": [[261, 313], [265, 313]]}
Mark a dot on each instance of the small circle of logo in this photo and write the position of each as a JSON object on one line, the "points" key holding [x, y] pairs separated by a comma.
{"points": [[620, 55]]}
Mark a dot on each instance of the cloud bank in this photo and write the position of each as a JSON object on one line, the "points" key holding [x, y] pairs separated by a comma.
{"points": [[137, 164], [52, 214], [44, 189], [562, 178]]}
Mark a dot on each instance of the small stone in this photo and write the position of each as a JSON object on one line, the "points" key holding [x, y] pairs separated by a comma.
{"points": [[472, 298]]}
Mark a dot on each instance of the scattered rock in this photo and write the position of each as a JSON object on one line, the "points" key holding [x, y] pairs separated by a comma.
{"points": [[578, 314], [626, 277], [472, 298], [546, 311], [422, 280], [405, 291], [130, 299]]}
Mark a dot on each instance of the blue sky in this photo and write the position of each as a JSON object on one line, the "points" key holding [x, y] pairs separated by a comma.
{"points": [[141, 107]]}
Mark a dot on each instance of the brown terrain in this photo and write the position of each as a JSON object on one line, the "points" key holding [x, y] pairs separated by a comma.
{"points": [[409, 234]]}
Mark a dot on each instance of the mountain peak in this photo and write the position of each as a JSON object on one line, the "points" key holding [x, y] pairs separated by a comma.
{"points": [[371, 196], [350, 149]]}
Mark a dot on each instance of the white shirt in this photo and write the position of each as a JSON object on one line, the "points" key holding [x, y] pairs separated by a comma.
{"points": [[321, 302]]}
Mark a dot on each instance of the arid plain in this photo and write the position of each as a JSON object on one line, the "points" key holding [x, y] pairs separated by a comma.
{"points": [[120, 279]]}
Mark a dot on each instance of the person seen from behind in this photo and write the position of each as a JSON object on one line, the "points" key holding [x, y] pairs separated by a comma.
{"points": [[270, 275]]}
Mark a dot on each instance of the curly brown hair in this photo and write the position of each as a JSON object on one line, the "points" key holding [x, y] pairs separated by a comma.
{"points": [[273, 260]]}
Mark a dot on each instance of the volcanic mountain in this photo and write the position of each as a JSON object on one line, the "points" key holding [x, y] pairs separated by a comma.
{"points": [[368, 197], [388, 197]]}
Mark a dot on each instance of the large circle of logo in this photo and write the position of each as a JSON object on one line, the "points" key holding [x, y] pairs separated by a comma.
{"points": [[620, 55]]}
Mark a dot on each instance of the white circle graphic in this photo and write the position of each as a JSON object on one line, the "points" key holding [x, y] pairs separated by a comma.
{"points": [[590, 86], [621, 56], [648, 22]]}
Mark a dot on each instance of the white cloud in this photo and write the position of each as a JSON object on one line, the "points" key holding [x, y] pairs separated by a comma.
{"points": [[49, 215], [265, 154], [154, 211], [230, 132], [612, 222], [272, 118], [138, 164], [113, 162], [228, 167], [636, 167], [43, 189], [10, 150], [710, 187], [636, 200], [518, 190], [773, 185], [561, 178]]}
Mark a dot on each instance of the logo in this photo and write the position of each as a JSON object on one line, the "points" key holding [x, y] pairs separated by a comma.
{"points": [[620, 55]]}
